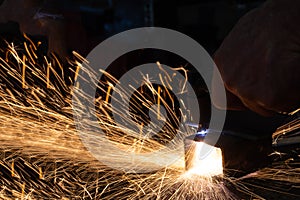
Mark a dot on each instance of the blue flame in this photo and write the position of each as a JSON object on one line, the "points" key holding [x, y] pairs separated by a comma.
{"points": [[202, 132]]}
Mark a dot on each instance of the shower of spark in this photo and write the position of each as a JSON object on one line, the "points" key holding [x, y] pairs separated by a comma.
{"points": [[42, 155]]}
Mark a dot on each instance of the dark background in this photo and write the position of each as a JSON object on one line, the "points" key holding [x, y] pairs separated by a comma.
{"points": [[207, 21]]}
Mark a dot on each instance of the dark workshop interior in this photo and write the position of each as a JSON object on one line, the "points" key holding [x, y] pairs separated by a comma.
{"points": [[260, 152]]}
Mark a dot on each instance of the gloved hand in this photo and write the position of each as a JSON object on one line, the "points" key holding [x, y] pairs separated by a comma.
{"points": [[259, 60]]}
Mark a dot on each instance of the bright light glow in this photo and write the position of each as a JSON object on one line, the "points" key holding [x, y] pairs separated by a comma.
{"points": [[210, 165], [203, 132]]}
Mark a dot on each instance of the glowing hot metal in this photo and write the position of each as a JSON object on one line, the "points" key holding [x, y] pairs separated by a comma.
{"points": [[200, 162]]}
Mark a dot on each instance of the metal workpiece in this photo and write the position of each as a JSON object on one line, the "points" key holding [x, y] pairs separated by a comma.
{"points": [[190, 149], [240, 153], [288, 135], [201, 158], [242, 156]]}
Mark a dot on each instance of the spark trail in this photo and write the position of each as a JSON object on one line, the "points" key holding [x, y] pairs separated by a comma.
{"points": [[42, 155]]}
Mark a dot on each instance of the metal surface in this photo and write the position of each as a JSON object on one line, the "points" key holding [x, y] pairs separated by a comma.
{"points": [[288, 134], [242, 152], [200, 162]]}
